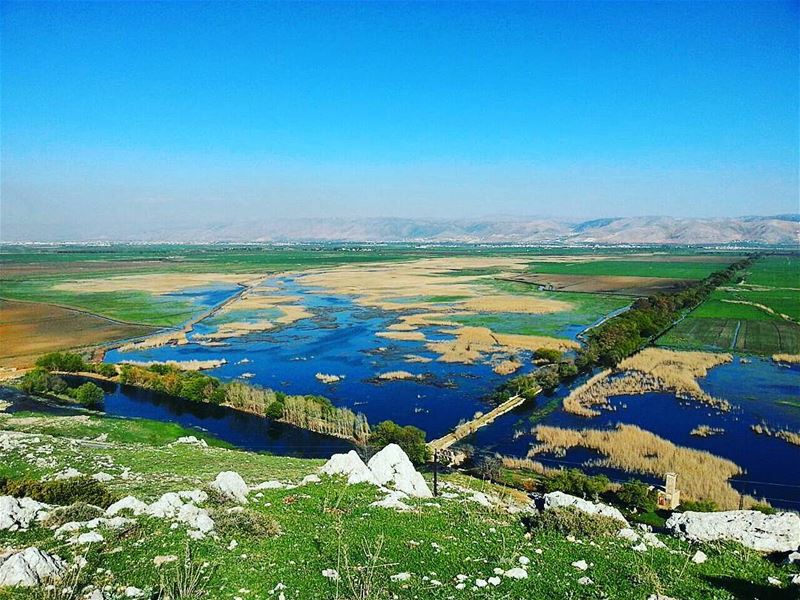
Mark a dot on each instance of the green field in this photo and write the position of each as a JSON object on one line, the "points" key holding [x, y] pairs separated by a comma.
{"points": [[631, 268], [755, 336], [330, 525], [730, 319]]}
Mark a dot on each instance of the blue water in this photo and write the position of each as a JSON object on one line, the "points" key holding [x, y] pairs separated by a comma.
{"points": [[757, 389], [238, 428], [340, 340]]}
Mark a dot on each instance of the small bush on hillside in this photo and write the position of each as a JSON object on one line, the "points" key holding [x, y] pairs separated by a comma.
{"points": [[489, 467], [63, 492], [411, 439], [698, 506], [79, 511], [187, 580], [764, 508], [570, 521], [638, 495], [245, 522], [88, 394], [577, 483]]}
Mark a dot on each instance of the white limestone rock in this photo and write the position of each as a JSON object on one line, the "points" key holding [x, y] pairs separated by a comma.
{"points": [[392, 466], [393, 500], [18, 513], [516, 573], [352, 466], [136, 506], [231, 485], [29, 567], [269, 485], [191, 441], [765, 533], [102, 476], [562, 500]]}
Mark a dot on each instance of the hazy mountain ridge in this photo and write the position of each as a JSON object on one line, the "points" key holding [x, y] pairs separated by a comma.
{"points": [[778, 229]]}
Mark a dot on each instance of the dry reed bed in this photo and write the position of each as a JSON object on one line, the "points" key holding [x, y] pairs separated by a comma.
{"points": [[787, 358], [651, 370], [702, 475], [784, 434], [405, 286], [706, 431]]}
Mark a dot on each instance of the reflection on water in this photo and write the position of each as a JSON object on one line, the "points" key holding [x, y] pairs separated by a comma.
{"points": [[238, 428]]}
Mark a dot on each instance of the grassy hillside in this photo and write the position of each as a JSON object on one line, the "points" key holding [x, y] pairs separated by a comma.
{"points": [[291, 535]]}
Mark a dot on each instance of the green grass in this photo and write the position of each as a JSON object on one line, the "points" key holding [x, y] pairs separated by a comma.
{"points": [[322, 523], [756, 336], [131, 307], [723, 323], [776, 271], [672, 270], [116, 429]]}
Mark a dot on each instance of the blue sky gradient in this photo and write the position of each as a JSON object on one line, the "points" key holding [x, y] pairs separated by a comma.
{"points": [[575, 109]]}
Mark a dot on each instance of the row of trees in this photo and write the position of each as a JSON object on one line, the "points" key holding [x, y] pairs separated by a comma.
{"points": [[624, 334], [311, 412], [620, 336]]}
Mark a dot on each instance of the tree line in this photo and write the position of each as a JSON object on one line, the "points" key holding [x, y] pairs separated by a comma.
{"points": [[620, 336]]}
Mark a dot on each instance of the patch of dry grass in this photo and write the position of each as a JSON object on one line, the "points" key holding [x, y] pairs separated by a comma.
{"points": [[787, 358], [507, 367], [784, 434], [472, 344], [651, 370], [702, 475]]}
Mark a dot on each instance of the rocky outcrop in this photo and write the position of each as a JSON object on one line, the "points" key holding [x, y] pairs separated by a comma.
{"points": [[562, 500], [181, 507], [29, 567], [392, 467], [231, 485], [765, 533], [351, 466], [18, 513]]}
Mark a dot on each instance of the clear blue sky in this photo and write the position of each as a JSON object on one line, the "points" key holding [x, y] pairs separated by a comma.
{"points": [[577, 109]]}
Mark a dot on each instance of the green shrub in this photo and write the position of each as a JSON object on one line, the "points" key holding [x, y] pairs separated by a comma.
{"points": [[89, 394], [638, 495], [570, 521], [275, 410], [105, 369], [548, 354], [41, 381], [63, 492], [79, 511], [245, 522], [411, 439], [62, 361], [698, 506], [763, 508], [576, 482]]}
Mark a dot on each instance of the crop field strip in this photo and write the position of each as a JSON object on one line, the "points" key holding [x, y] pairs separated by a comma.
{"points": [[758, 316]]}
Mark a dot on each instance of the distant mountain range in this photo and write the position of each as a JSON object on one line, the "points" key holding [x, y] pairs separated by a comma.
{"points": [[778, 229]]}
